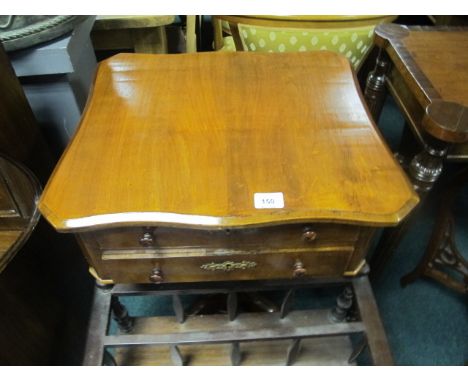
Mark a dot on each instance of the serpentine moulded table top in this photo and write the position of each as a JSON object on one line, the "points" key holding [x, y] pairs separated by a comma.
{"points": [[189, 140]]}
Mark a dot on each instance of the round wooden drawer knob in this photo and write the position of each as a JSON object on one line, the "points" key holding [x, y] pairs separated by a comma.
{"points": [[299, 269], [147, 239], [156, 276], [309, 235]]}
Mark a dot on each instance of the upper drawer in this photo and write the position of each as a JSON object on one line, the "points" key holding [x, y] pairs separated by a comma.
{"points": [[283, 236]]}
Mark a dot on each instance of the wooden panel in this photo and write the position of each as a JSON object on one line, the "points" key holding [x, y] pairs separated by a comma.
{"points": [[8, 206], [20, 136], [186, 268], [19, 191], [333, 351], [314, 351], [109, 22], [442, 57], [22, 188], [290, 236], [189, 139], [7, 240], [431, 61], [414, 112]]}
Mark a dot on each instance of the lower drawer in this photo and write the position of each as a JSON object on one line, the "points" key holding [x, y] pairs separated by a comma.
{"points": [[145, 268]]}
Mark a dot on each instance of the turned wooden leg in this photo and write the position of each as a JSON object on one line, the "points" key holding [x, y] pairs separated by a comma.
{"points": [[375, 91], [344, 302], [121, 316], [426, 167], [424, 170]]}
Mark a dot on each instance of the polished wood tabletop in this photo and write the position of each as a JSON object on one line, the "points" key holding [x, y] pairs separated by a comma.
{"points": [[428, 78], [192, 140], [433, 59], [443, 61]]}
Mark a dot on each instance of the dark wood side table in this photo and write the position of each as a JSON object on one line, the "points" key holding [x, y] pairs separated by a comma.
{"points": [[424, 69], [25, 329], [30, 308], [225, 173]]}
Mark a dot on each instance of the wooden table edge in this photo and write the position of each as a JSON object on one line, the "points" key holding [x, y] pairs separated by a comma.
{"points": [[178, 220]]}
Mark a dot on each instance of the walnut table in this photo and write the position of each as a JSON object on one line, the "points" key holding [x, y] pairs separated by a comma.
{"points": [[425, 70], [265, 172]]}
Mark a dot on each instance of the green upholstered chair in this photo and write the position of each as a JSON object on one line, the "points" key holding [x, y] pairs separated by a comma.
{"points": [[351, 36]]}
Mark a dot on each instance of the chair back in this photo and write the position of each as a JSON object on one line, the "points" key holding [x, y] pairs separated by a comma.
{"points": [[351, 36]]}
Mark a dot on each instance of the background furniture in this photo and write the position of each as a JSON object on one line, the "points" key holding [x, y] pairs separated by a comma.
{"points": [[19, 192], [26, 328], [443, 261], [56, 77], [20, 137], [350, 36], [30, 310], [186, 230], [428, 87], [41, 321], [24, 31], [142, 34], [238, 337]]}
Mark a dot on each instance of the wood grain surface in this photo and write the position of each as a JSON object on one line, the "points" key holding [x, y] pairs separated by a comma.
{"points": [[188, 139], [427, 78], [19, 193], [442, 57], [314, 351]]}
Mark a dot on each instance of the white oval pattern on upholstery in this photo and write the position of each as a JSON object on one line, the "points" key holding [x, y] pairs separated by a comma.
{"points": [[352, 43]]}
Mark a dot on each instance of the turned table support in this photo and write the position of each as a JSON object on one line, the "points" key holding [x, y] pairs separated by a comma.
{"points": [[375, 90], [424, 169], [423, 90]]}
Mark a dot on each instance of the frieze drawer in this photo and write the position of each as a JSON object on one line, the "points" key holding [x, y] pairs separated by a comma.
{"points": [[125, 267], [283, 236]]}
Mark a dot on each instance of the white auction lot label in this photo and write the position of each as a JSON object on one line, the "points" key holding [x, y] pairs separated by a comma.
{"points": [[268, 200]]}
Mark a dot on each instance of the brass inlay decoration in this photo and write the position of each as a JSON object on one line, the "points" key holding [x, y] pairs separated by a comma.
{"points": [[228, 266], [356, 271], [93, 273]]}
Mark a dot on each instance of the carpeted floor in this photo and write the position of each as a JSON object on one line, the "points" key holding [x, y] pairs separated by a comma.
{"points": [[426, 323]]}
